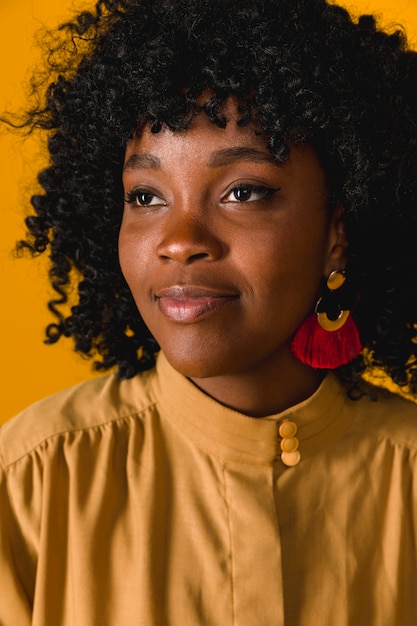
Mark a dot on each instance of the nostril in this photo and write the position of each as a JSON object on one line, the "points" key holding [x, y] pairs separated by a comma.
{"points": [[187, 259], [200, 255]]}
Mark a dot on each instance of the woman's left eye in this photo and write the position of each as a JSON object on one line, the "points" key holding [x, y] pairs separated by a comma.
{"points": [[249, 193]]}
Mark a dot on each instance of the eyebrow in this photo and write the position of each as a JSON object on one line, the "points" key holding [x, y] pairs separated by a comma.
{"points": [[142, 162], [220, 158], [228, 156]]}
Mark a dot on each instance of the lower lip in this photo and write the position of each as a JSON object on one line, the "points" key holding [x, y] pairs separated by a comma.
{"points": [[194, 309]]}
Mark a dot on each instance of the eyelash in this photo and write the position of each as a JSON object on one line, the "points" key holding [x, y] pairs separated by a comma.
{"points": [[132, 197]]}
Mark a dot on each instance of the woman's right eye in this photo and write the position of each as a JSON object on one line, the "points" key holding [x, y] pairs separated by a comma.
{"points": [[143, 198]]}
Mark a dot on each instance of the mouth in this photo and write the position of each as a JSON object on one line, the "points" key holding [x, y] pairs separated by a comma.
{"points": [[188, 304]]}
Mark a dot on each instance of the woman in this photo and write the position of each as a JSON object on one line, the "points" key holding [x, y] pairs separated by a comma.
{"points": [[265, 154]]}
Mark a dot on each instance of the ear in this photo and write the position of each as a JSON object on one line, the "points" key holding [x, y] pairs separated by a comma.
{"points": [[337, 243]]}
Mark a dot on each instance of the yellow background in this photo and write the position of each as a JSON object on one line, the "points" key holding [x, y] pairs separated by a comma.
{"points": [[30, 369]]}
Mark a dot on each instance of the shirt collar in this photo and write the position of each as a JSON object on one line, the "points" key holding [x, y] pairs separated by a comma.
{"points": [[228, 434]]}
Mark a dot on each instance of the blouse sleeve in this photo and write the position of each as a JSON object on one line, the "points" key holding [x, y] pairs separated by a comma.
{"points": [[16, 566]]}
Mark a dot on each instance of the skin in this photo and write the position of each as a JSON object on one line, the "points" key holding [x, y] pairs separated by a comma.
{"points": [[224, 250]]}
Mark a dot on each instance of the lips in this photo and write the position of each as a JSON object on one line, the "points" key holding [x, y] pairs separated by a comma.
{"points": [[188, 304]]}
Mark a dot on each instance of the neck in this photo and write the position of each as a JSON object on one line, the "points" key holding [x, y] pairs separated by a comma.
{"points": [[267, 390]]}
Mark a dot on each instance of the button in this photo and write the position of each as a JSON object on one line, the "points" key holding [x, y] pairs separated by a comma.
{"points": [[291, 458], [287, 429], [289, 444]]}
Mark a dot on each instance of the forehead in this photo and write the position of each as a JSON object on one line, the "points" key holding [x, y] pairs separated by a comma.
{"points": [[201, 138]]}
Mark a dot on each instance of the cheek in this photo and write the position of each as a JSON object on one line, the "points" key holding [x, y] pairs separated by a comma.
{"points": [[125, 254], [287, 272], [291, 256], [133, 252]]}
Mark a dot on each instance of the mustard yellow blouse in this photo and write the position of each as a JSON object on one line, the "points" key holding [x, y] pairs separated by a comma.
{"points": [[146, 503]]}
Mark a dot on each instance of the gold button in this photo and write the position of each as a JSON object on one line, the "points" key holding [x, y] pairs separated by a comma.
{"points": [[287, 429], [289, 444], [291, 458]]}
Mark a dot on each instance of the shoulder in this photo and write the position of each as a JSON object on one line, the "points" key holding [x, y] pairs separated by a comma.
{"points": [[88, 405], [386, 415]]}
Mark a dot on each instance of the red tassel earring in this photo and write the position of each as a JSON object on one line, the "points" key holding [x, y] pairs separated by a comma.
{"points": [[329, 338]]}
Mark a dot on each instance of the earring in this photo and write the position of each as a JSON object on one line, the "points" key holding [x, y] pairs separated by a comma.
{"points": [[330, 338]]}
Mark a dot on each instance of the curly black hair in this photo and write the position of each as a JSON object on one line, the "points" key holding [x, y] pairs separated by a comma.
{"points": [[306, 71]]}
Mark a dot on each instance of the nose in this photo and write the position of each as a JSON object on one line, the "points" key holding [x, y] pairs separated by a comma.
{"points": [[187, 238]]}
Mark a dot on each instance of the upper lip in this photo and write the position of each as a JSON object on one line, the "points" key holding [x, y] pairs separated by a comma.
{"points": [[193, 292]]}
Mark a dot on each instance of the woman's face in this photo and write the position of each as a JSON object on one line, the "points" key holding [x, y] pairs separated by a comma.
{"points": [[222, 247]]}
